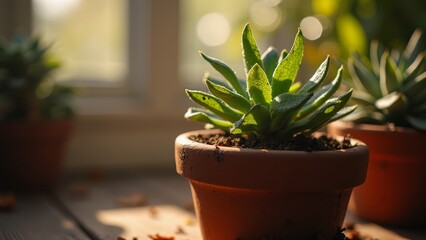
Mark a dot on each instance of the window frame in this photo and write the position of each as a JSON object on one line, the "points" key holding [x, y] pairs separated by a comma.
{"points": [[133, 126]]}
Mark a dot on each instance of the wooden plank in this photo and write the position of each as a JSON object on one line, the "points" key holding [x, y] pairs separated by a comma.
{"points": [[35, 217], [166, 210], [105, 212], [369, 230]]}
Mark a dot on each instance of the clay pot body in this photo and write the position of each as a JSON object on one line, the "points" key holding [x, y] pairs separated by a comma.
{"points": [[256, 194], [394, 192], [31, 153]]}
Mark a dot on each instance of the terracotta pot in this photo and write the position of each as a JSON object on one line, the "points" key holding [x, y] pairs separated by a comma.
{"points": [[31, 153], [254, 194], [394, 192]]}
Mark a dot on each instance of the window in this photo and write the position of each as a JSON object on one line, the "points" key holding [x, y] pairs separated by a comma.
{"points": [[104, 47], [131, 122], [89, 36]]}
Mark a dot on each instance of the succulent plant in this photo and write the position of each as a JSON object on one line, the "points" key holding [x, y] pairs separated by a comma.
{"points": [[390, 85], [269, 104], [26, 91]]}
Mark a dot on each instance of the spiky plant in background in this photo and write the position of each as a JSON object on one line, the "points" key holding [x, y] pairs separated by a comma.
{"points": [[26, 91], [269, 103], [390, 86]]}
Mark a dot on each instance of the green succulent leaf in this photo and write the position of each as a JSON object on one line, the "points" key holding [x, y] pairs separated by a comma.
{"points": [[285, 106], [376, 52], [363, 78], [201, 115], [256, 120], [217, 81], [294, 87], [269, 103], [258, 86], [415, 68], [226, 72], [394, 104], [366, 116], [417, 122], [270, 61], [319, 118], [317, 78], [251, 53], [287, 69], [283, 54], [233, 99], [343, 113], [214, 104], [363, 98], [390, 75], [415, 90], [413, 48], [421, 109], [389, 100], [321, 96]]}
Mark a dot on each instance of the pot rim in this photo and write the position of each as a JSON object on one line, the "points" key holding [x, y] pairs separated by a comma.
{"points": [[184, 138], [290, 170], [375, 127]]}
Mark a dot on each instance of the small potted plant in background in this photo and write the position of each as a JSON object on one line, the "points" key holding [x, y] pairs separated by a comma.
{"points": [[35, 116], [390, 88], [248, 179]]}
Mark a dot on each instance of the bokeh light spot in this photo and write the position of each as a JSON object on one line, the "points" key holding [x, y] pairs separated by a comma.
{"points": [[264, 16], [213, 29], [311, 28]]}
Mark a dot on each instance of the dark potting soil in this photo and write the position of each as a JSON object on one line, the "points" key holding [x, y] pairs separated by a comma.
{"points": [[297, 143]]}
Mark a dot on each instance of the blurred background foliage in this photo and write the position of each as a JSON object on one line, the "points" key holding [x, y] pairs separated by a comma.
{"points": [[333, 27], [351, 25]]}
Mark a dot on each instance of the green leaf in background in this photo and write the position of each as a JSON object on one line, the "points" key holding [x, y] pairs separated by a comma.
{"points": [[251, 53], [417, 122], [390, 75], [270, 61], [226, 72], [376, 52], [415, 90], [214, 104], [415, 68], [258, 86], [351, 34], [413, 48], [287, 69], [363, 78]]}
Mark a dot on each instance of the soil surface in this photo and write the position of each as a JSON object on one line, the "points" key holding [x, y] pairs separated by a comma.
{"points": [[297, 143]]}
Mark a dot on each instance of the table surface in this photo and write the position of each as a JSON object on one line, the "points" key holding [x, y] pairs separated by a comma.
{"points": [[127, 207]]}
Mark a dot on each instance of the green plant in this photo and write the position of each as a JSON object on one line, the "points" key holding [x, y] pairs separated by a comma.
{"points": [[390, 86], [26, 91], [269, 104]]}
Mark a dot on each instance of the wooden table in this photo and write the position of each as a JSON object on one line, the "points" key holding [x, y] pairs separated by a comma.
{"points": [[126, 207]]}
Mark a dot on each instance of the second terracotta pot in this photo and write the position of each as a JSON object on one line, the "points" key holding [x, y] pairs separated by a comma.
{"points": [[394, 192], [259, 194], [32, 153]]}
